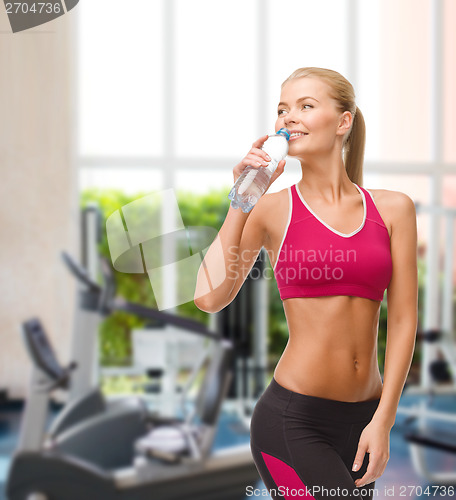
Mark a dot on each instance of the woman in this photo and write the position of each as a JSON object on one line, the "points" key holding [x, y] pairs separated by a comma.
{"points": [[322, 426]]}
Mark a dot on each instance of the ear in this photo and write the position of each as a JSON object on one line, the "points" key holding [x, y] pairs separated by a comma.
{"points": [[345, 123]]}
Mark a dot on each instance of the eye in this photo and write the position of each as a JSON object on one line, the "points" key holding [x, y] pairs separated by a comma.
{"points": [[307, 106], [280, 112]]}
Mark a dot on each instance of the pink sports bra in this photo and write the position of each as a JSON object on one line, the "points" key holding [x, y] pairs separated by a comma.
{"points": [[316, 260]]}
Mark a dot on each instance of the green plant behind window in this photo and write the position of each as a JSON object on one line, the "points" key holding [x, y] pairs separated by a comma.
{"points": [[207, 209]]}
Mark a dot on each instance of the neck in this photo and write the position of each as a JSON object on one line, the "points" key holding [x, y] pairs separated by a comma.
{"points": [[325, 178]]}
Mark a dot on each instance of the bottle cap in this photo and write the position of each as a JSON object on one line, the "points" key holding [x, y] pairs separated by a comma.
{"points": [[285, 132]]}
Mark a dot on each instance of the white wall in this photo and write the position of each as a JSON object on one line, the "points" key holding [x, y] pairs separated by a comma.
{"points": [[38, 188]]}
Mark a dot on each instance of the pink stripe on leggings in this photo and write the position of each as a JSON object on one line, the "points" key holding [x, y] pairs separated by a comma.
{"points": [[285, 476]]}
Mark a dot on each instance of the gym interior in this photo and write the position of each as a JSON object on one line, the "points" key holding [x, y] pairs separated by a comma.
{"points": [[121, 124]]}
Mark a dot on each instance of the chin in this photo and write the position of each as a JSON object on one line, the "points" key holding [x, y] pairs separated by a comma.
{"points": [[297, 154], [300, 156]]}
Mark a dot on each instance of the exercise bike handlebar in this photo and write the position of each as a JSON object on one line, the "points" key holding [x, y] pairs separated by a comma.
{"points": [[43, 357], [79, 272], [191, 325], [108, 303], [113, 303]]}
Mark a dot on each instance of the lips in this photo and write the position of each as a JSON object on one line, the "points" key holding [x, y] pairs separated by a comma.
{"points": [[296, 134]]}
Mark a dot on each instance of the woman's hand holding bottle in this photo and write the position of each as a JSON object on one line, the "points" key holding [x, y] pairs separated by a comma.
{"points": [[250, 183]]}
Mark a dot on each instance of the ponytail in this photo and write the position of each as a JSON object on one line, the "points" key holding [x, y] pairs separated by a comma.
{"points": [[354, 149]]}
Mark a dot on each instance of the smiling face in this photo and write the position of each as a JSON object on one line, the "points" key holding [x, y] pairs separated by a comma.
{"points": [[312, 116]]}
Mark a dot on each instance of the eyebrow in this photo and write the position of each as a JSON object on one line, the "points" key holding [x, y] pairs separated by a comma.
{"points": [[299, 100]]}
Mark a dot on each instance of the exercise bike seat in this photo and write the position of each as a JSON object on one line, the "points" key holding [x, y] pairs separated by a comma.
{"points": [[169, 443]]}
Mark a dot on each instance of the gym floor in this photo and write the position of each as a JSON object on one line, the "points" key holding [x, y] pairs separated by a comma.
{"points": [[399, 480]]}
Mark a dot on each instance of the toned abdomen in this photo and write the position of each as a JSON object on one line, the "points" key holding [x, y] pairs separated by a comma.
{"points": [[332, 348]]}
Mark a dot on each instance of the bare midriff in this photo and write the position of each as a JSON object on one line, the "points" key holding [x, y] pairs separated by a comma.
{"points": [[332, 348]]}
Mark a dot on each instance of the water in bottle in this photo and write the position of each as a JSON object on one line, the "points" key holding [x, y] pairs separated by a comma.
{"points": [[253, 181]]}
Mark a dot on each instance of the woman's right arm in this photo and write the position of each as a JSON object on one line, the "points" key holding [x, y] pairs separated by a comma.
{"points": [[232, 254]]}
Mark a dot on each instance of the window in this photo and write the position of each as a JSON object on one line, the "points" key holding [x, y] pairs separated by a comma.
{"points": [[173, 92]]}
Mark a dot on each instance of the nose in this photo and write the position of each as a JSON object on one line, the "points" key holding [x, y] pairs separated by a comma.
{"points": [[290, 117]]}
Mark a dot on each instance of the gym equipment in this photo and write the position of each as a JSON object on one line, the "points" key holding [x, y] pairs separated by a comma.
{"points": [[172, 458], [96, 301], [244, 322], [84, 348], [426, 434], [438, 364], [163, 353]]}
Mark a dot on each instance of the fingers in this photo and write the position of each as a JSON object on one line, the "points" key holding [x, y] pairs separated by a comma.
{"points": [[259, 155], [374, 440], [259, 142], [368, 476], [280, 167], [375, 469], [359, 457], [255, 158]]}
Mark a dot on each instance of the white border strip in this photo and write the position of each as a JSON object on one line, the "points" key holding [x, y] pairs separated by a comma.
{"points": [[372, 198]]}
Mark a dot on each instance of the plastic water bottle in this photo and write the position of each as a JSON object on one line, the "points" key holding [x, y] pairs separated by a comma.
{"points": [[252, 183]]}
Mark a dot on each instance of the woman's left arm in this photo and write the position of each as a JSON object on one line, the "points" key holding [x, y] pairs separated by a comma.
{"points": [[402, 322]]}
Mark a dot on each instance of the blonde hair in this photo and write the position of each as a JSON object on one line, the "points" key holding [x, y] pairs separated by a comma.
{"points": [[342, 91]]}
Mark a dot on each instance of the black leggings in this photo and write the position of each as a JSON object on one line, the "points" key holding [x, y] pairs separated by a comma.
{"points": [[306, 445]]}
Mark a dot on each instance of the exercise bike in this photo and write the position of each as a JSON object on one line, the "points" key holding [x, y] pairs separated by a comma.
{"points": [[119, 450]]}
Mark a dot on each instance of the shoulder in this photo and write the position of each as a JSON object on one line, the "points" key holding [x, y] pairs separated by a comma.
{"points": [[271, 203], [395, 200], [395, 207]]}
